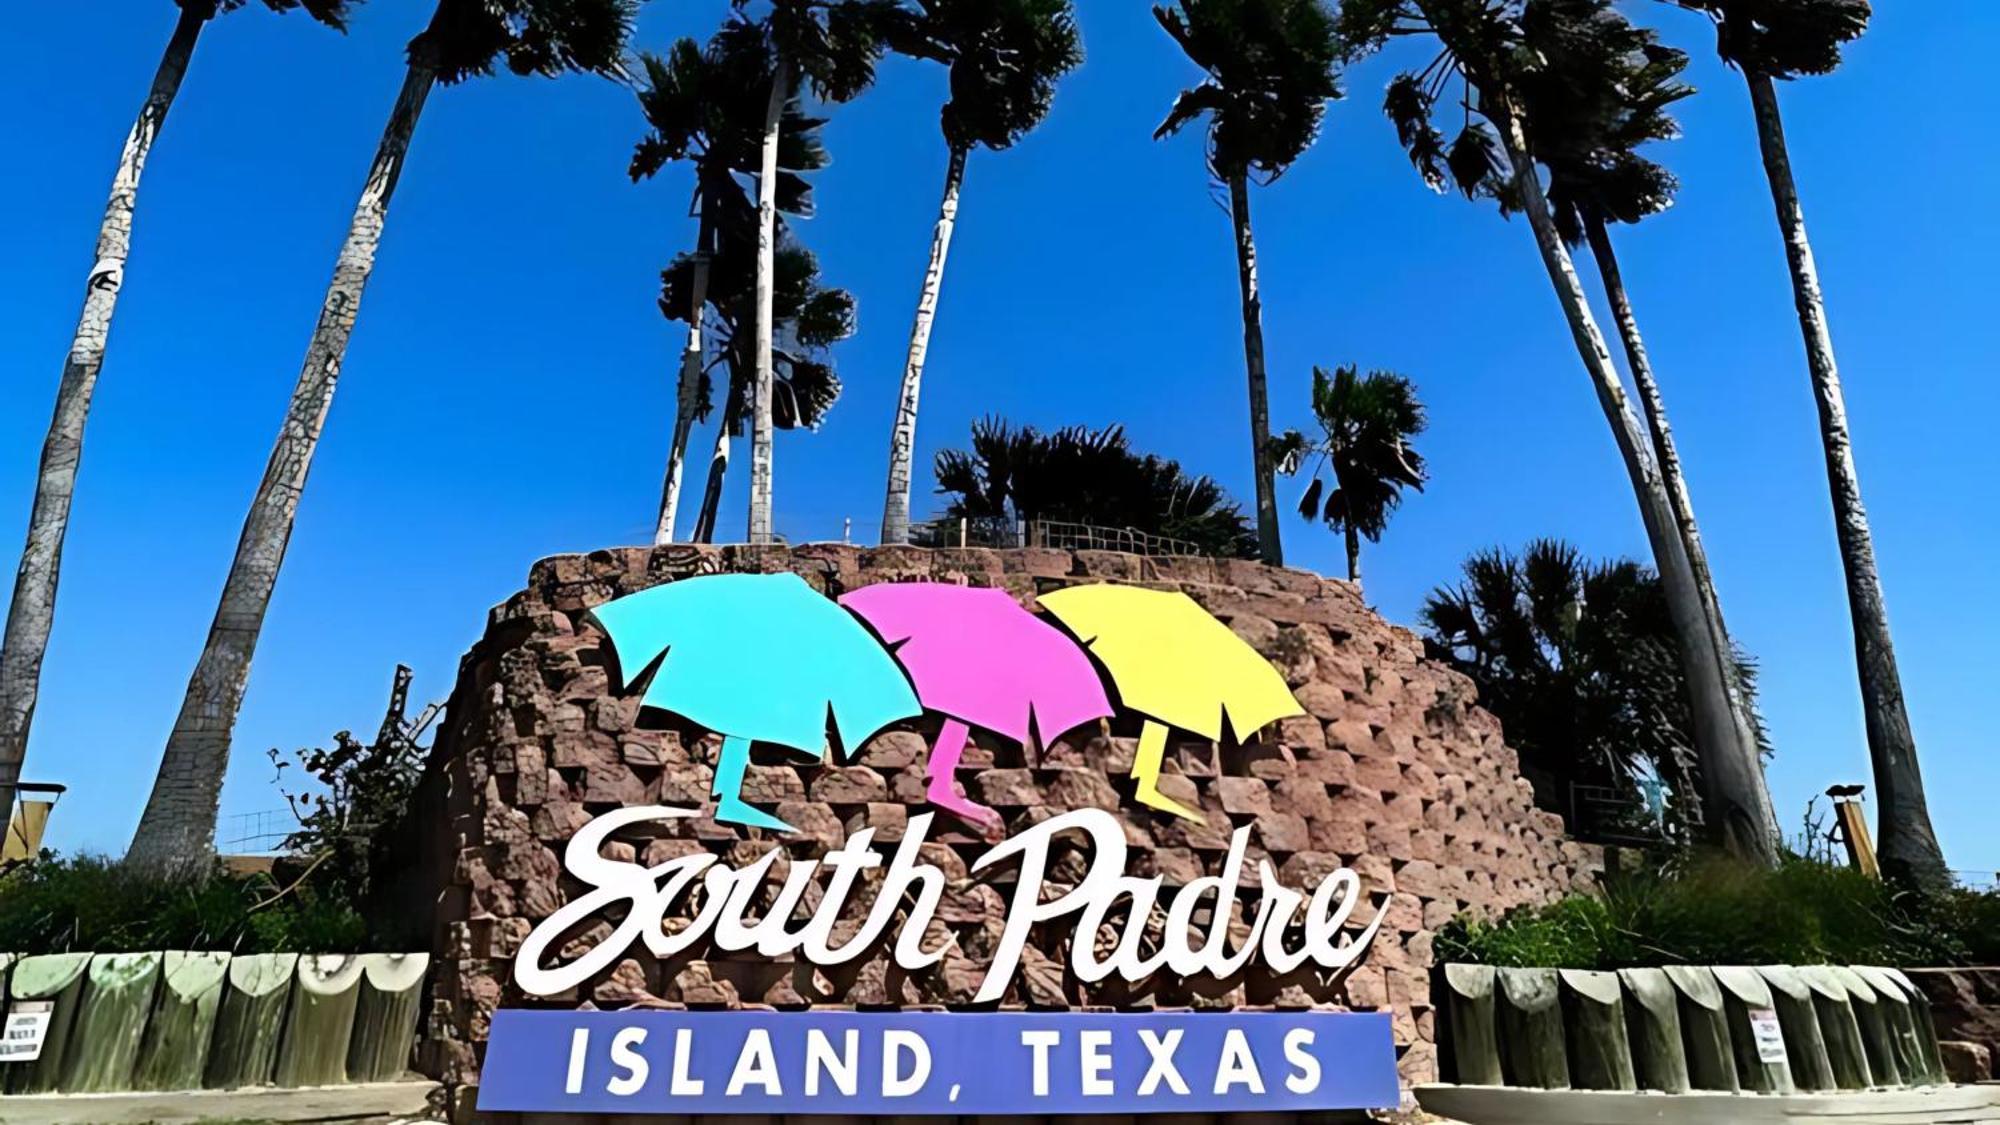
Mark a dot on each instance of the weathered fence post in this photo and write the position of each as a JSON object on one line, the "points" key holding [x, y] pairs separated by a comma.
{"points": [[1711, 1061], [1471, 1052], [1531, 1029], [324, 992], [1840, 1026], [1905, 1040], [1920, 1008], [57, 980], [1600, 1057], [1871, 1013], [1763, 1062], [1805, 1046], [1653, 1030], [248, 1022], [385, 1016], [182, 1023], [110, 1022]]}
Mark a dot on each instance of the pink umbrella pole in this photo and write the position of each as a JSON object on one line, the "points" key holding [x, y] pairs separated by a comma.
{"points": [[942, 770]]}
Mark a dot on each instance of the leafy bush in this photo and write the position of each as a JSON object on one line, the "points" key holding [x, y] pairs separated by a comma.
{"points": [[1713, 910], [93, 904]]}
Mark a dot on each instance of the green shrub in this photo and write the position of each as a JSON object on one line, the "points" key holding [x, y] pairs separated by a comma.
{"points": [[1718, 911], [92, 904]]}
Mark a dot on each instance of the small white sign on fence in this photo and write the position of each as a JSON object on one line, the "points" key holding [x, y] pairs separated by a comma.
{"points": [[1769, 1036], [26, 1026]]}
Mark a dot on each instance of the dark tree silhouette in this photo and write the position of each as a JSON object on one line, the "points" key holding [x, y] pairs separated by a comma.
{"points": [[1079, 475], [1365, 428], [1578, 661]]}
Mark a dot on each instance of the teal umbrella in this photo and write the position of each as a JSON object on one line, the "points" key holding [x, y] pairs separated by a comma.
{"points": [[756, 658]]}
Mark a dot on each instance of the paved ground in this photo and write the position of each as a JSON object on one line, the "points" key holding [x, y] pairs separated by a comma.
{"points": [[367, 1104]]}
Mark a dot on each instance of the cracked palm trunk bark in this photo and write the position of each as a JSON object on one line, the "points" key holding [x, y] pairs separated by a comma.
{"points": [[1669, 461], [1353, 555], [177, 828], [767, 249], [1268, 543], [1908, 844], [1734, 794], [689, 386], [903, 437], [31, 613], [718, 468]]}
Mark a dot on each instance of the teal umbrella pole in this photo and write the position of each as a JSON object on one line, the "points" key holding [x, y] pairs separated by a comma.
{"points": [[728, 788]]}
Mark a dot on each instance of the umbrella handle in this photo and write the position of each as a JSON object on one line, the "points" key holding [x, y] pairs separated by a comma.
{"points": [[1146, 770], [730, 807], [941, 771]]}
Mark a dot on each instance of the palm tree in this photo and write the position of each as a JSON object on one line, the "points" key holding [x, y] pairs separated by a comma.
{"points": [[31, 614], [1095, 477], [834, 46], [1604, 89], [1771, 42], [707, 107], [1579, 662], [1005, 58], [1485, 49], [1366, 425], [810, 319], [1269, 72], [465, 39]]}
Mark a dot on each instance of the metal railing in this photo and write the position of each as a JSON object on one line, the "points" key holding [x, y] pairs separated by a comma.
{"points": [[255, 833], [1002, 532]]}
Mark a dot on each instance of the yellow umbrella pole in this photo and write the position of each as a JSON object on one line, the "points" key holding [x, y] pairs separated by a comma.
{"points": [[1146, 769]]}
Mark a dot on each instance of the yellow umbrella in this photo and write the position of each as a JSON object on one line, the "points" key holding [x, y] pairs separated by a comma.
{"points": [[1175, 665]]}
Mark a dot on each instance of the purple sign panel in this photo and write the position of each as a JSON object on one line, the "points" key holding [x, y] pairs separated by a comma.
{"points": [[666, 1062]]}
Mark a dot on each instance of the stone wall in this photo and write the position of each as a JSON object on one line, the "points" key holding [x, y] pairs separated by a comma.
{"points": [[1393, 772], [1965, 1003]]}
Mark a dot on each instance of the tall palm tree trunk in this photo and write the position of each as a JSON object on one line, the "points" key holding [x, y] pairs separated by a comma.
{"points": [[767, 249], [1908, 845], [903, 437], [1736, 799], [178, 826], [689, 392], [718, 468], [1268, 544], [31, 614], [1353, 554], [1669, 461]]}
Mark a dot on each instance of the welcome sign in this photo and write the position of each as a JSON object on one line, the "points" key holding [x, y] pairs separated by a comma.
{"points": [[764, 658]]}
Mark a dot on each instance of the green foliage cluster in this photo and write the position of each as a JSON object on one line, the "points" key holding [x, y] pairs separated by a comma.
{"points": [[97, 905], [1716, 910], [1079, 475]]}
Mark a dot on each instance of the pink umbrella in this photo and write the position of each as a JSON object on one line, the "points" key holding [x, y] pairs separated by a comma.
{"points": [[975, 656]]}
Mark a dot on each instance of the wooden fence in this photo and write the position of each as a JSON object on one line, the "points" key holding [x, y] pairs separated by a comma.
{"points": [[108, 1022]]}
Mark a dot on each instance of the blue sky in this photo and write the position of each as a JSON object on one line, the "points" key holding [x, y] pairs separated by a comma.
{"points": [[507, 395]]}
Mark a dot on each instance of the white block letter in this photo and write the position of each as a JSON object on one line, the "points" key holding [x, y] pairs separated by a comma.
{"points": [[634, 1063], [1160, 1067], [895, 1042], [1238, 1066], [1096, 1063], [1304, 1078], [1040, 1042], [755, 1064], [843, 1068], [683, 1086], [579, 1044]]}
